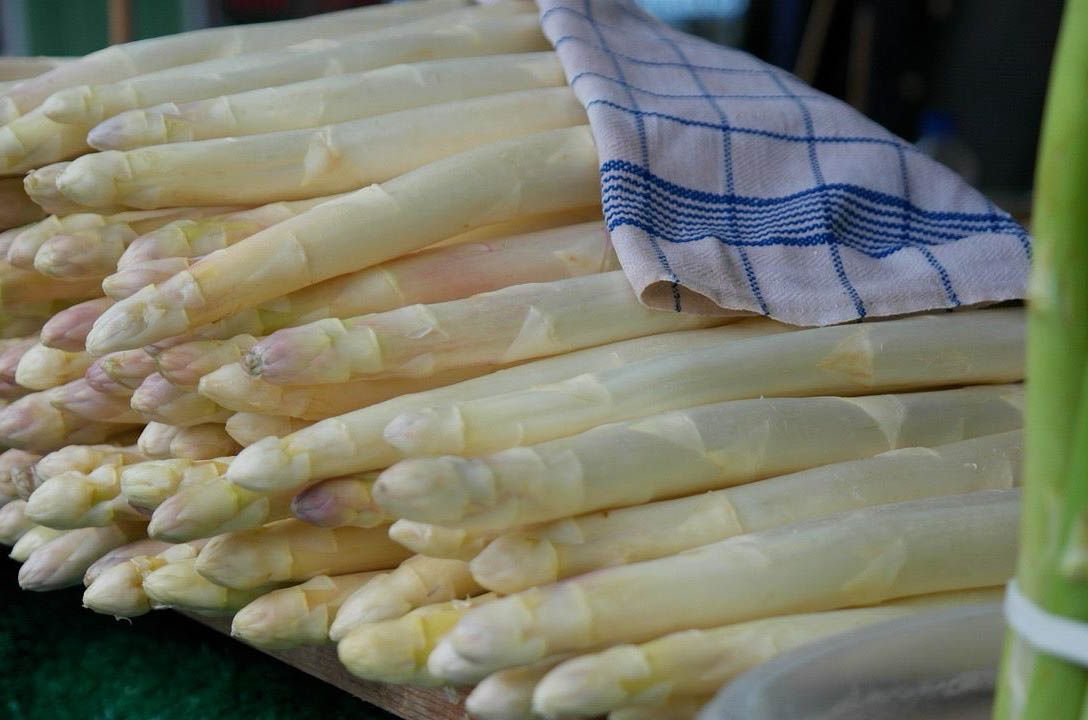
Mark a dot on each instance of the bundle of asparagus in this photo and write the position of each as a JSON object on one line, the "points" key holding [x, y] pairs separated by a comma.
{"points": [[295, 346]]}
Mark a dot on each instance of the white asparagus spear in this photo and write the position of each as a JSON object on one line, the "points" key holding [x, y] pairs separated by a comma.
{"points": [[984, 346], [540, 173], [213, 506], [13, 522], [297, 164], [121, 373], [74, 500], [328, 100], [298, 615], [203, 442], [122, 554], [119, 591], [417, 582], [160, 400], [15, 465], [40, 186], [25, 244], [32, 539], [147, 485], [142, 56], [155, 440], [41, 367], [67, 330], [187, 363], [508, 694], [699, 662], [32, 423], [62, 561], [134, 278], [683, 452], [247, 428], [178, 585], [395, 651], [462, 32], [11, 352], [438, 541], [494, 328], [290, 550], [82, 459], [520, 560], [16, 207], [80, 398], [858, 558], [34, 140], [340, 501], [353, 442], [235, 389]]}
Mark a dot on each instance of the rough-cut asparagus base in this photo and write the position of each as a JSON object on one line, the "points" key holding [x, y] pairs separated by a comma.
{"points": [[298, 164], [508, 694], [418, 581], [441, 542], [203, 442], [353, 442], [213, 506], [74, 500], [247, 428], [67, 330], [178, 585], [495, 328], [123, 554], [41, 367], [858, 558], [118, 62], [298, 615], [678, 453], [540, 173], [341, 501], [63, 561], [290, 550], [17, 209], [698, 662], [146, 485], [13, 522], [119, 591], [324, 101], [983, 346], [155, 440], [395, 651], [31, 540]]}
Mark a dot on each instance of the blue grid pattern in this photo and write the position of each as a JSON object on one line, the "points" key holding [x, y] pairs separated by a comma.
{"points": [[726, 179]]}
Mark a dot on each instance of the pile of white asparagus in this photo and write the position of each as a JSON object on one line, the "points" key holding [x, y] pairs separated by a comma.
{"points": [[324, 331]]}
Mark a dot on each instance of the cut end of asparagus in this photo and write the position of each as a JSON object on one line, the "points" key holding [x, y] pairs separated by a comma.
{"points": [[427, 432], [269, 465], [435, 490], [119, 592], [140, 320], [514, 562]]}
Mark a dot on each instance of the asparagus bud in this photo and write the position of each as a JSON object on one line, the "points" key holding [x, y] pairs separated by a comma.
{"points": [[13, 522], [441, 542], [214, 506], [67, 330], [203, 442], [35, 537], [508, 694], [340, 501], [247, 428], [155, 439], [179, 585], [63, 561], [121, 555], [160, 400]]}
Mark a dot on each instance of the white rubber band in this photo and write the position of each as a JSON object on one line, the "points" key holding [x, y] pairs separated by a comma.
{"points": [[1053, 634]]}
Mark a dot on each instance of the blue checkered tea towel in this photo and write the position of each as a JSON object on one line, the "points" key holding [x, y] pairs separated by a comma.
{"points": [[731, 186]]}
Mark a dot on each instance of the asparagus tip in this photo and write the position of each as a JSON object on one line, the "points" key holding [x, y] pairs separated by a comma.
{"points": [[428, 431]]}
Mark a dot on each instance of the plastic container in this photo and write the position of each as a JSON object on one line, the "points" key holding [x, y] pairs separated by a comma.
{"points": [[939, 665]]}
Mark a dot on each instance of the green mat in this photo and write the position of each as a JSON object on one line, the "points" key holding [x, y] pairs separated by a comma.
{"points": [[62, 662]]}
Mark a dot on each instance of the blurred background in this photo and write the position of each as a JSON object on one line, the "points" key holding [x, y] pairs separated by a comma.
{"points": [[964, 78]]}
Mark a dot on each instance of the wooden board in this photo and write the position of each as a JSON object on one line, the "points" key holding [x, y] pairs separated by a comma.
{"points": [[410, 703]]}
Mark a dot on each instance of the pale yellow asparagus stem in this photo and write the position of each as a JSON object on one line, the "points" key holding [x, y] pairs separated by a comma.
{"points": [[187, 363], [123, 554], [682, 452], [13, 522], [214, 506], [340, 501], [41, 367], [395, 651], [353, 442], [34, 140], [11, 353], [298, 164], [16, 208], [984, 346], [143, 56], [858, 558], [336, 99], [203, 442], [508, 694], [32, 423], [290, 550], [235, 389], [441, 542], [466, 32], [417, 582], [178, 585], [155, 440], [247, 428], [61, 562], [495, 328], [448, 273], [147, 485], [699, 662], [159, 400], [119, 591], [540, 173], [19, 287], [74, 500], [679, 708], [32, 539], [67, 330], [80, 398], [126, 369], [298, 615]]}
